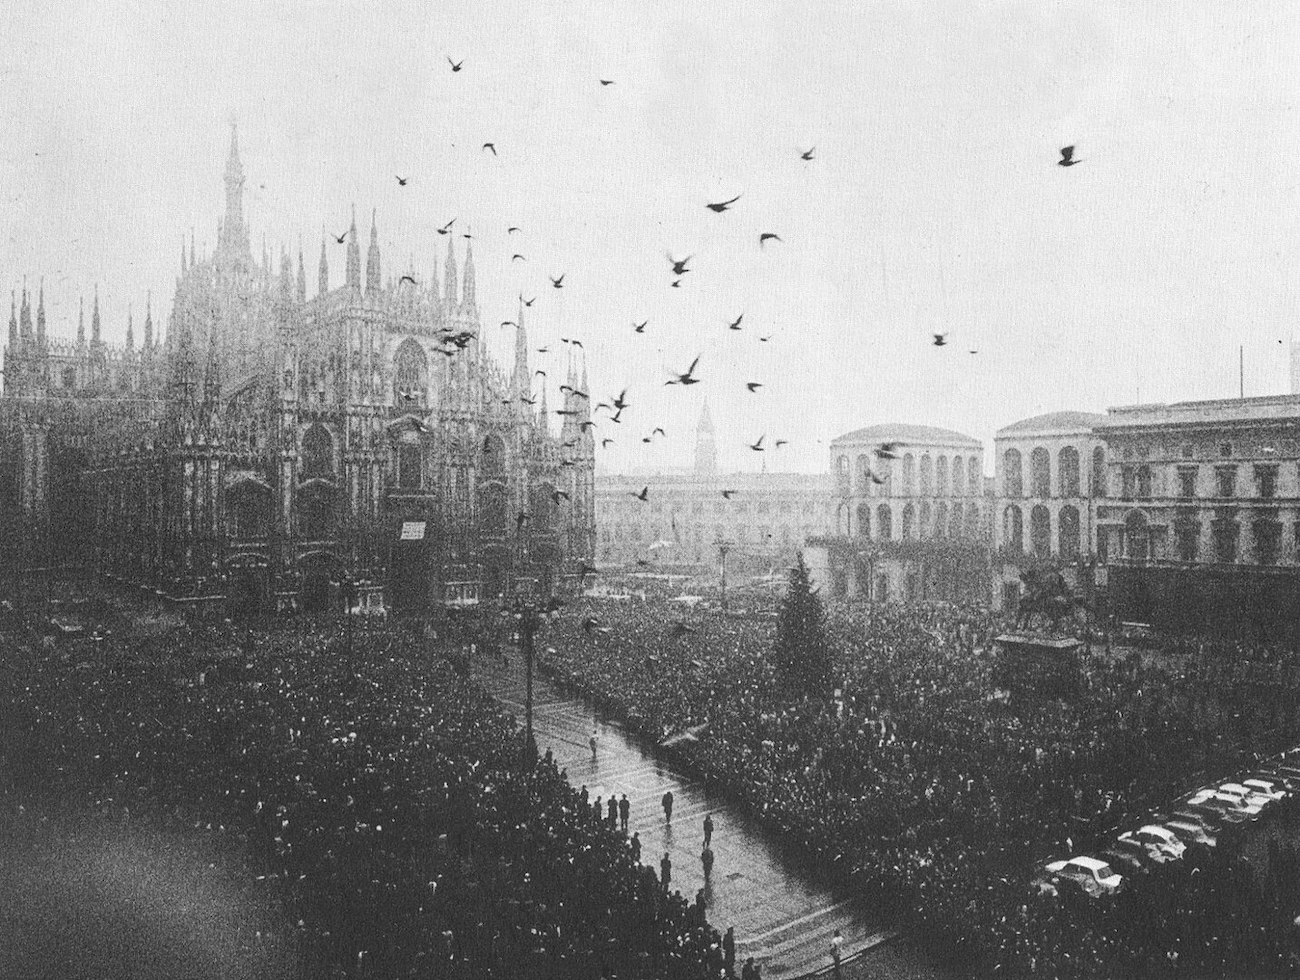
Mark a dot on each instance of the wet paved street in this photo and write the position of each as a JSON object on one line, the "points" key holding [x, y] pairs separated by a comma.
{"points": [[782, 916]]}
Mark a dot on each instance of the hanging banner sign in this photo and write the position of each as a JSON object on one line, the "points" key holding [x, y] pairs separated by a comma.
{"points": [[413, 530]]}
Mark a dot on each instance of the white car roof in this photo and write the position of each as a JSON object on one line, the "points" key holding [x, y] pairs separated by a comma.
{"points": [[1162, 832], [1091, 863]]}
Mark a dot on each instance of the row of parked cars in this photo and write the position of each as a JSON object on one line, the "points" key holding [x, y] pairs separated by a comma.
{"points": [[1196, 819]]}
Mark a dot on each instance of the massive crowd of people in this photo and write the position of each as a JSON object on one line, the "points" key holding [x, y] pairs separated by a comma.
{"points": [[924, 783], [380, 799]]}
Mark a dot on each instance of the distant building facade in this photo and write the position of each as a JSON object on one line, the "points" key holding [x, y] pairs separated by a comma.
{"points": [[762, 520], [911, 527], [280, 450]]}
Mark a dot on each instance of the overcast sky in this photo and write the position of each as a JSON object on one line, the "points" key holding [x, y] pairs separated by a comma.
{"points": [[933, 202]]}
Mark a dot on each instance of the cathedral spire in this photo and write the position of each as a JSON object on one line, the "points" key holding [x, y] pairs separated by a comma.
{"points": [[94, 319], [372, 257], [469, 274], [523, 378], [354, 254], [323, 280], [234, 235], [302, 275], [706, 448], [25, 316], [13, 324], [130, 332], [191, 248], [451, 291], [40, 316], [81, 316], [148, 321], [183, 255]]}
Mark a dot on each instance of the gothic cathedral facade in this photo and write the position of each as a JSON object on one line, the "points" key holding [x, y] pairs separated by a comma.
{"points": [[277, 451]]}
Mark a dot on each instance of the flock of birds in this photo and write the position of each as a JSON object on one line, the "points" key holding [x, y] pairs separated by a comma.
{"points": [[452, 342]]}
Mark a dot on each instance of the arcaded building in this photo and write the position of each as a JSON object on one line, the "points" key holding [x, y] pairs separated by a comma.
{"points": [[1049, 471], [278, 450], [910, 527]]}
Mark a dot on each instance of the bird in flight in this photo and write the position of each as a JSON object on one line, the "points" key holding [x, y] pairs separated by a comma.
{"points": [[492, 147], [728, 494], [721, 206], [676, 284], [455, 65], [688, 378], [509, 323], [679, 265], [517, 257], [539, 371], [606, 81], [782, 442], [940, 340], [620, 402], [767, 236], [512, 229], [575, 343], [735, 324], [446, 229], [764, 340], [640, 327], [410, 279], [401, 181], [807, 154], [558, 283], [887, 450], [341, 238], [1067, 157], [543, 350], [758, 446], [605, 442], [644, 495], [528, 302], [753, 385]]}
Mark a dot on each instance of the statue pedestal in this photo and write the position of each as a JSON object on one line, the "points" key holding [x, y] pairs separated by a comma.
{"points": [[1030, 664]]}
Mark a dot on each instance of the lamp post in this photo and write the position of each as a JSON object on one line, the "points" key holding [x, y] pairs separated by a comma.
{"points": [[723, 548]]}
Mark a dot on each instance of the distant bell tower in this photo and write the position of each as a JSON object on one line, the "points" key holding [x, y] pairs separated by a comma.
{"points": [[1295, 367], [706, 448]]}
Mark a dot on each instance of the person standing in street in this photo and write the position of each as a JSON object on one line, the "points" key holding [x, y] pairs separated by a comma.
{"points": [[706, 859], [749, 971], [666, 871], [592, 742], [837, 952], [624, 808], [729, 951], [708, 829], [636, 847], [668, 806]]}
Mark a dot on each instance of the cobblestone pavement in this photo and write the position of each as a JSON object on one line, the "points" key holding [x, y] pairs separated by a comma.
{"points": [[783, 917]]}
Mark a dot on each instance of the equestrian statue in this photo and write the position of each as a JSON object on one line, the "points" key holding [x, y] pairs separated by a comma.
{"points": [[1047, 595]]}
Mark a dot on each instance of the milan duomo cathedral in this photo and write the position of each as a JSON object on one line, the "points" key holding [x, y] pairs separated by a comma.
{"points": [[275, 451]]}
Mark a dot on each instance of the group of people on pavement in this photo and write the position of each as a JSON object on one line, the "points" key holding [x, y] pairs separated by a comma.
{"points": [[379, 800], [921, 780]]}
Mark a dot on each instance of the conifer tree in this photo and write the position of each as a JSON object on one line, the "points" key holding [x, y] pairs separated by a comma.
{"points": [[802, 650]]}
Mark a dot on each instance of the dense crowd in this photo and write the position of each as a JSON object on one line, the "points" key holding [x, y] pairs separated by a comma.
{"points": [[918, 778], [379, 798]]}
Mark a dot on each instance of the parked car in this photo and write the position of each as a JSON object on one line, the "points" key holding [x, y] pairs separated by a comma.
{"points": [[1277, 778], [1129, 862], [1231, 808], [1159, 842], [1273, 790], [1191, 828], [1094, 877], [1248, 795]]}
